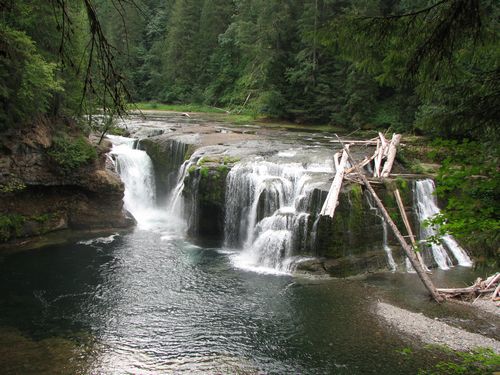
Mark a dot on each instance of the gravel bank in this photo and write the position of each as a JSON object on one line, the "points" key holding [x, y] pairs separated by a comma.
{"points": [[433, 331]]}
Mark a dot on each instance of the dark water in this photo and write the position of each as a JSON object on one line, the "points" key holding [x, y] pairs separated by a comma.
{"points": [[146, 305]]}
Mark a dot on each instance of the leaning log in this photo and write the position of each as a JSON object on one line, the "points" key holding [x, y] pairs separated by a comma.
{"points": [[333, 195], [406, 222], [391, 155], [379, 155], [429, 285]]}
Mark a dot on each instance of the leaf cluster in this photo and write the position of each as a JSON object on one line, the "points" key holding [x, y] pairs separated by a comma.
{"points": [[469, 180], [71, 154], [481, 361]]}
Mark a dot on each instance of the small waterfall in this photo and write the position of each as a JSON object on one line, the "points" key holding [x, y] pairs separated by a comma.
{"points": [[385, 245], [175, 201], [266, 213], [136, 171], [426, 207]]}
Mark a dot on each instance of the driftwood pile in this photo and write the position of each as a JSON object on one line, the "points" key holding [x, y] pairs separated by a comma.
{"points": [[383, 160], [489, 288], [384, 156]]}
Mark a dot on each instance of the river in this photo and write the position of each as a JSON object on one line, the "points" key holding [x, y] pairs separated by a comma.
{"points": [[151, 302]]}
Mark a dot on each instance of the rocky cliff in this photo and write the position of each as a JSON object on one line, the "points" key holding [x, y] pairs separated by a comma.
{"points": [[47, 186]]}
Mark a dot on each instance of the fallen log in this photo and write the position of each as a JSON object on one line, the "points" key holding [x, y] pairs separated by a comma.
{"points": [[333, 195], [370, 142], [379, 155], [467, 290], [406, 222], [476, 290], [495, 293], [336, 160], [365, 161], [492, 279], [391, 155]]}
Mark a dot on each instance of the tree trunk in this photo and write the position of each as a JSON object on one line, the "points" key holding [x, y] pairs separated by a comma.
{"points": [[333, 195], [396, 138], [408, 227]]}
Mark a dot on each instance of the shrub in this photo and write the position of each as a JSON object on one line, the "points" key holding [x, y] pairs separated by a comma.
{"points": [[71, 154], [10, 225]]}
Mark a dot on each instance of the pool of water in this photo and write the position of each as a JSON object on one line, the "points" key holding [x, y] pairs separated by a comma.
{"points": [[150, 303]]}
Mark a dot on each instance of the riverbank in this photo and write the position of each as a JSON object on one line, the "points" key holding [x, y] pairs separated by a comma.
{"points": [[433, 331]]}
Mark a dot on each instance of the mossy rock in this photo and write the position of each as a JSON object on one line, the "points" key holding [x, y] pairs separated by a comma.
{"points": [[369, 261], [14, 226], [205, 194], [354, 228], [167, 156]]}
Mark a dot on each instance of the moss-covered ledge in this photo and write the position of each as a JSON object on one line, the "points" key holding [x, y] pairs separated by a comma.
{"points": [[352, 242], [205, 196]]}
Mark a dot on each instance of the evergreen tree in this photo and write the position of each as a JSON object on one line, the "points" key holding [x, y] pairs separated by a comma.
{"points": [[180, 58]]}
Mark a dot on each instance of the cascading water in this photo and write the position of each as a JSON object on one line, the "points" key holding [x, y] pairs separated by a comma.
{"points": [[136, 171], [385, 245], [426, 208], [266, 213]]}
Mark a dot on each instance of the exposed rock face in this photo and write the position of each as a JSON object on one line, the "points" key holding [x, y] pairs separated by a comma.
{"points": [[167, 155], [36, 197], [205, 192], [352, 242]]}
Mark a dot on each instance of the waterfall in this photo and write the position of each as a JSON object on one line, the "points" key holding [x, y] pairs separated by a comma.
{"points": [[426, 208], [175, 201], [266, 213], [385, 244], [136, 171]]}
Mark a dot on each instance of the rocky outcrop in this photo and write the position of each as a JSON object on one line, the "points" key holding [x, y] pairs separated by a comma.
{"points": [[205, 195], [352, 242], [167, 155], [37, 196]]}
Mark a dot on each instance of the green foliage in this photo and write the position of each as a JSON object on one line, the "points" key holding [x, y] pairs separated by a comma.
{"points": [[10, 225], [223, 169], [12, 186], [469, 180], [204, 171], [71, 154], [405, 351], [175, 107], [482, 361], [27, 80]]}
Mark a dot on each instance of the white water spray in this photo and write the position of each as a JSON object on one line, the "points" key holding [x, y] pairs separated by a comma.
{"points": [[136, 171], [426, 207], [266, 216], [390, 259]]}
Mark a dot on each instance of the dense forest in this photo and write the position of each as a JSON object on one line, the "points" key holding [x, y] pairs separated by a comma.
{"points": [[350, 63], [427, 67], [423, 67]]}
